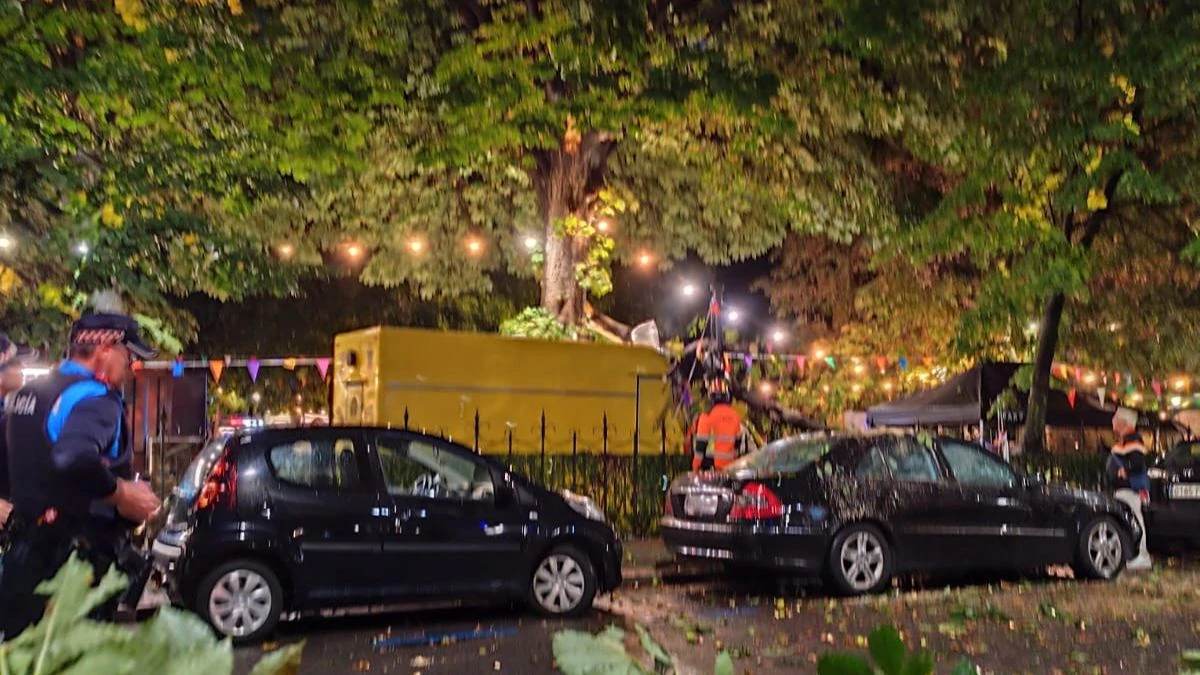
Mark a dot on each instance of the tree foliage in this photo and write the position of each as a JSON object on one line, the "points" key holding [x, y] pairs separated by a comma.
{"points": [[1070, 141]]}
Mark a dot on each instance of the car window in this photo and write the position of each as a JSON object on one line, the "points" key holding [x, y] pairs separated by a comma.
{"points": [[787, 455], [413, 467], [972, 465], [908, 460], [317, 463], [871, 466]]}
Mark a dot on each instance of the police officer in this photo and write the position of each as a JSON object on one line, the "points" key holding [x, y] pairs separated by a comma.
{"points": [[72, 487], [717, 431], [12, 357]]}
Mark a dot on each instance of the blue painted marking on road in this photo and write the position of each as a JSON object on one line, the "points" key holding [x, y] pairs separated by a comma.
{"points": [[437, 638], [728, 613]]}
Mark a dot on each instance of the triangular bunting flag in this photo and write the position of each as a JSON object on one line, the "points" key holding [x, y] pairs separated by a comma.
{"points": [[252, 366], [881, 362], [1071, 397], [832, 364], [1157, 388], [1101, 391], [800, 362], [177, 368], [1117, 378], [216, 367], [289, 363], [323, 366], [903, 363]]}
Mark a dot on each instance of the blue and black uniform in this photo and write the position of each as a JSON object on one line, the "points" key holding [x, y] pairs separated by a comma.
{"points": [[66, 430]]}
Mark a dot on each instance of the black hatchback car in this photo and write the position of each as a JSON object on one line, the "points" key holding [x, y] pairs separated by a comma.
{"points": [[858, 509], [281, 522]]}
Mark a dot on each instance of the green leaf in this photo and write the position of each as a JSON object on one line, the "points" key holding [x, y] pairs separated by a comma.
{"points": [[653, 648], [282, 661], [580, 653], [724, 664], [843, 664], [919, 663], [887, 649], [963, 667]]}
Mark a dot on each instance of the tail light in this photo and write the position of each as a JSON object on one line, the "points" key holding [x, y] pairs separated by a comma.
{"points": [[1144, 495], [756, 502], [220, 486]]}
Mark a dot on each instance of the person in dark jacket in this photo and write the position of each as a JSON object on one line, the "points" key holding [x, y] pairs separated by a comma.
{"points": [[69, 463], [12, 358], [1129, 476]]}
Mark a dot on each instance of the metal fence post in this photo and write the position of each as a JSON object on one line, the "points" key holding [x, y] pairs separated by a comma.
{"points": [[542, 468], [574, 460], [476, 431], [406, 418], [635, 492], [510, 456], [604, 461]]}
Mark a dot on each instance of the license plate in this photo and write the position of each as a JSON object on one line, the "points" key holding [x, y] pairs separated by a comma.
{"points": [[701, 504], [1185, 491]]}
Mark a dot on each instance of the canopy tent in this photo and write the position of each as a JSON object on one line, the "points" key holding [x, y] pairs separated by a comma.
{"points": [[967, 398]]}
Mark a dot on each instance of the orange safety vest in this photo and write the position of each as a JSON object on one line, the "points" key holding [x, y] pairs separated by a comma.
{"points": [[721, 426]]}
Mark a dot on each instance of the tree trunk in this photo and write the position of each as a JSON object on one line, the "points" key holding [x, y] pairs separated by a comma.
{"points": [[561, 295], [1043, 360], [565, 180]]}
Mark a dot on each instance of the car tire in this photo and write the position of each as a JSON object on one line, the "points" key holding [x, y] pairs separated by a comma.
{"points": [[563, 583], [1102, 551], [241, 600], [860, 560]]}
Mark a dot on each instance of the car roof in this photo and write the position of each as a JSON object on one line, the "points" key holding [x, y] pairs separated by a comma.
{"points": [[277, 430]]}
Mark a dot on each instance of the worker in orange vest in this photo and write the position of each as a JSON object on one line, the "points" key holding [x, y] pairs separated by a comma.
{"points": [[717, 431]]}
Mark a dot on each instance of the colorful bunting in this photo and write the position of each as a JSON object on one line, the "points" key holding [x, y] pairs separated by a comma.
{"points": [[289, 364], [177, 368], [881, 363], [832, 364], [216, 367], [1071, 397], [252, 366], [903, 363], [1157, 388], [800, 362], [323, 366]]}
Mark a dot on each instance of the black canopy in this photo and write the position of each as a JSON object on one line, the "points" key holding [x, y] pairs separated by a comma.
{"points": [[965, 399], [968, 397]]}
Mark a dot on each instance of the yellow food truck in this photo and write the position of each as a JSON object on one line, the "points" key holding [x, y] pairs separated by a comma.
{"points": [[500, 394]]}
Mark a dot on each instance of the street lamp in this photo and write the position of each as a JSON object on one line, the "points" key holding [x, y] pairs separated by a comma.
{"points": [[286, 251], [644, 260], [688, 289], [474, 246], [602, 226], [6, 242], [531, 243], [354, 250], [82, 248], [778, 336], [416, 246], [733, 316]]}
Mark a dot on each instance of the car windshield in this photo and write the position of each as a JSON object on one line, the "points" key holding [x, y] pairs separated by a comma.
{"points": [[198, 470], [787, 455]]}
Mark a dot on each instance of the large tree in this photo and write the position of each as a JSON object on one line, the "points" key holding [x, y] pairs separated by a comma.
{"points": [[135, 155], [1070, 128], [594, 131]]}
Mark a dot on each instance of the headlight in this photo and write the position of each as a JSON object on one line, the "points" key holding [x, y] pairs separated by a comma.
{"points": [[1156, 473], [584, 506]]}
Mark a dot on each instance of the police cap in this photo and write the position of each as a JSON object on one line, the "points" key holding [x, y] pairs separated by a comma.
{"points": [[108, 329]]}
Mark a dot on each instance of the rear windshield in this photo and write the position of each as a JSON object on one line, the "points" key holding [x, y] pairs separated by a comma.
{"points": [[198, 470], [787, 455]]}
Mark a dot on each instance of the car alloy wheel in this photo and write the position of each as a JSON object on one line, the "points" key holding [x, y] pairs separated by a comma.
{"points": [[240, 603], [1105, 549], [559, 584], [861, 560]]}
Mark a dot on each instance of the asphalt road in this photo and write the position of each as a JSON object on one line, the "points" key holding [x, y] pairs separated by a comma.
{"points": [[463, 641]]}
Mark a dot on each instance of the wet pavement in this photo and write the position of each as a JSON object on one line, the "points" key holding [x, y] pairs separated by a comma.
{"points": [[461, 641]]}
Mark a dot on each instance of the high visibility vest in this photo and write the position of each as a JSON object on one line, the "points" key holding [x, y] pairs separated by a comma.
{"points": [[721, 427]]}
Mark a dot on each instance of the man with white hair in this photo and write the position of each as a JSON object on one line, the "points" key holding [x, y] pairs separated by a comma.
{"points": [[1128, 474]]}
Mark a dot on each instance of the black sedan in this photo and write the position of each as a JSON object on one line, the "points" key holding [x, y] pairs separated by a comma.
{"points": [[282, 522], [1173, 513], [858, 509]]}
